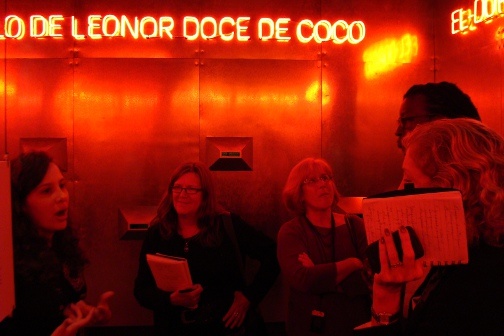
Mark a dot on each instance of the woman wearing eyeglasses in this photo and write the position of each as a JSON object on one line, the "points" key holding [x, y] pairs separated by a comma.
{"points": [[320, 254], [190, 224]]}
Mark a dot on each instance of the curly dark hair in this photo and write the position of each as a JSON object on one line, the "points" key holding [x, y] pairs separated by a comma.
{"points": [[34, 258]]}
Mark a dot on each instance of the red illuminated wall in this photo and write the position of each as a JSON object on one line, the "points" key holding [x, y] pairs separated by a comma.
{"points": [[130, 110]]}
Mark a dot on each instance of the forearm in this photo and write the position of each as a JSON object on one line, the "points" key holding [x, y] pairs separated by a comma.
{"points": [[346, 267]]}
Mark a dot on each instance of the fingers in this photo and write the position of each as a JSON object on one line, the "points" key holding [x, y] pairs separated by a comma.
{"points": [[105, 297], [407, 247], [234, 317], [305, 260], [188, 298], [81, 322], [393, 257], [103, 312], [237, 312]]}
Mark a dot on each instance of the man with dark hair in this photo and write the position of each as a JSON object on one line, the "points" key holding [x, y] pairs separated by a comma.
{"points": [[426, 102], [423, 103]]}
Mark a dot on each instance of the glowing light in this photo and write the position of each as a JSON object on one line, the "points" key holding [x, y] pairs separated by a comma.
{"points": [[226, 21], [465, 20], [386, 55], [10, 90], [42, 27], [277, 29], [313, 93], [323, 31], [14, 28], [191, 28]]}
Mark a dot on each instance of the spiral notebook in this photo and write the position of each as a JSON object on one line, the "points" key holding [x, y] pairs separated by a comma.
{"points": [[170, 273], [436, 215]]}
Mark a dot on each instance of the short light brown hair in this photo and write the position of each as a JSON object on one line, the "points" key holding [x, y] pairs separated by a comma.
{"points": [[292, 194]]}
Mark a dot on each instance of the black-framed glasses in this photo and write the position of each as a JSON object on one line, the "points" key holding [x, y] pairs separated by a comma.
{"points": [[312, 180], [189, 190], [403, 121]]}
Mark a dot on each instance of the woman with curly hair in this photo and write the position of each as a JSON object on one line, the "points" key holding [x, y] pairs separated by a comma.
{"points": [[460, 299], [48, 263]]}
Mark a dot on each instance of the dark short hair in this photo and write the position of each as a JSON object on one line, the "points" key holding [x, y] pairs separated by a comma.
{"points": [[445, 99]]}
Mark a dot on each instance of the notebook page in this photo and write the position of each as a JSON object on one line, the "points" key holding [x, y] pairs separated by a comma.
{"points": [[438, 220]]}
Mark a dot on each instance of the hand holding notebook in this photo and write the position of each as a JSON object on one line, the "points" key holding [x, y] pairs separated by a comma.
{"points": [[170, 273], [436, 215]]}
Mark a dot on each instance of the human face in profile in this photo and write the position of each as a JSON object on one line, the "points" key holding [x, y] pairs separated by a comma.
{"points": [[413, 111], [47, 204], [318, 191], [187, 195], [413, 174]]}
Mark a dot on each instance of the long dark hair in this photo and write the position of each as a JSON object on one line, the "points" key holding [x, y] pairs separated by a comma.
{"points": [[167, 216], [35, 259]]}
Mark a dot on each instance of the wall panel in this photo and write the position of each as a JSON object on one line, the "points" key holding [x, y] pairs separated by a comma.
{"points": [[133, 109], [472, 60], [135, 121]]}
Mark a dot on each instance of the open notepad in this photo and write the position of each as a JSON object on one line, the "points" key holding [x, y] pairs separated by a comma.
{"points": [[437, 216], [170, 273]]}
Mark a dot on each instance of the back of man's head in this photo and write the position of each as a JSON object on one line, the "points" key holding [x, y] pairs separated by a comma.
{"points": [[445, 99]]}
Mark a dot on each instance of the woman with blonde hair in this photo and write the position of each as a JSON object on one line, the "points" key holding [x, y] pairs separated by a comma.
{"points": [[320, 254], [460, 299]]}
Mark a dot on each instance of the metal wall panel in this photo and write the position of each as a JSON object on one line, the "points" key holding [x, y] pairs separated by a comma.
{"points": [[132, 110], [472, 60], [118, 47], [135, 121], [271, 102], [28, 47], [262, 49], [39, 100], [361, 110]]}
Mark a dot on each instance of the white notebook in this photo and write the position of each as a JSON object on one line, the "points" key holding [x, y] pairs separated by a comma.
{"points": [[170, 273], [436, 215]]}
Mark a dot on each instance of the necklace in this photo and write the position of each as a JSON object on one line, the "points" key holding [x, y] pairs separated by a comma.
{"points": [[187, 241]]}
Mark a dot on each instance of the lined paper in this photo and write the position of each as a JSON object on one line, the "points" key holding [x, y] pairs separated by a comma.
{"points": [[437, 218]]}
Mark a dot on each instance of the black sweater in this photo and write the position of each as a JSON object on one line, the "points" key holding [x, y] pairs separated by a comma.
{"points": [[215, 268]]}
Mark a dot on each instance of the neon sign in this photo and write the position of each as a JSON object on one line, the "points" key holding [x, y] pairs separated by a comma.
{"points": [[388, 54], [465, 20], [192, 28]]}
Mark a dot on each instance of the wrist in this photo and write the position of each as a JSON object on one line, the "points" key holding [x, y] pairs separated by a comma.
{"points": [[384, 318], [386, 299]]}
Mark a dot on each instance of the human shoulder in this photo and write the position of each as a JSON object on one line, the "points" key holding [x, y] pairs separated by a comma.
{"points": [[291, 226], [354, 220]]}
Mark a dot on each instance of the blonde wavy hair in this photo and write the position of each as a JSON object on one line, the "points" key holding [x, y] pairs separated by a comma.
{"points": [[466, 155]]}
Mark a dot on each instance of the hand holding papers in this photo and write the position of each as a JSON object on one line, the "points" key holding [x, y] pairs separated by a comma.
{"points": [[436, 215], [170, 273]]}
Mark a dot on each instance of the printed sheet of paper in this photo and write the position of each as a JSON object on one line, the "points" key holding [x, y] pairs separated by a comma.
{"points": [[170, 273], [6, 255], [438, 219]]}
